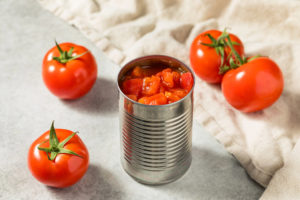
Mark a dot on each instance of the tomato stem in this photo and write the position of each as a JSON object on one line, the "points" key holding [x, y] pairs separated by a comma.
{"points": [[237, 55], [219, 44], [66, 56], [56, 147]]}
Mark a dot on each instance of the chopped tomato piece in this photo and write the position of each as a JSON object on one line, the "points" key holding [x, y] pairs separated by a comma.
{"points": [[137, 72], [132, 96], [176, 78], [133, 86], [157, 99], [171, 97], [186, 81], [167, 78], [151, 85], [127, 78], [158, 74], [143, 100], [179, 92], [162, 89], [166, 70]]}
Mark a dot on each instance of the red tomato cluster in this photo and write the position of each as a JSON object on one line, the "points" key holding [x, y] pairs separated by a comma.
{"points": [[249, 85], [153, 87]]}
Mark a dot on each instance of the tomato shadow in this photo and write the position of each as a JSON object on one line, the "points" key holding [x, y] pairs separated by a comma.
{"points": [[283, 114], [103, 98], [214, 176], [97, 183]]}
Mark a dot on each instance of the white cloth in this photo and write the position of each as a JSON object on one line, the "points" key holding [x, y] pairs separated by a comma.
{"points": [[285, 183], [261, 141]]}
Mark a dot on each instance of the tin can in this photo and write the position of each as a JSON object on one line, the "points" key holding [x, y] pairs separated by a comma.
{"points": [[156, 140]]}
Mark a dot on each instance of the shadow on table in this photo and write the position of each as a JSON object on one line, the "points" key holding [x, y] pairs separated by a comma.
{"points": [[97, 183], [103, 98], [214, 176]]}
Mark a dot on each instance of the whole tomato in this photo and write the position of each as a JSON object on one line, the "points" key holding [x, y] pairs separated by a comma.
{"points": [[69, 70], [209, 53], [58, 158], [253, 86]]}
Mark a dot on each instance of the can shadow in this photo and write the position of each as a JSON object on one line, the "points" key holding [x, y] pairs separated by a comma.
{"points": [[214, 176], [103, 98], [97, 183]]}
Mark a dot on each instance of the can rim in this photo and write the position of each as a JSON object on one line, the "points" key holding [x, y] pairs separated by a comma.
{"points": [[155, 56]]}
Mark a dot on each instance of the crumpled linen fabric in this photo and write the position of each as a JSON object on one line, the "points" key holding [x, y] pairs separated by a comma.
{"points": [[262, 141]]}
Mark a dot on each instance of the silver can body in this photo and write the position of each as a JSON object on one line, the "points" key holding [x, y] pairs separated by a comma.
{"points": [[156, 140]]}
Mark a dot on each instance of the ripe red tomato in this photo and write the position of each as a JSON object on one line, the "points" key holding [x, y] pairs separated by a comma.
{"points": [[254, 85], [69, 70], [65, 164], [205, 60]]}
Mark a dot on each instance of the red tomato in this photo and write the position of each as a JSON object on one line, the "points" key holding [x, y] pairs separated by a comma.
{"points": [[254, 85], [65, 169], [65, 74], [133, 86], [205, 61], [186, 81]]}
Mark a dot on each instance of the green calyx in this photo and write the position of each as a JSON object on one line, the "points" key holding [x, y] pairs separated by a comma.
{"points": [[56, 147], [66, 56], [219, 44]]}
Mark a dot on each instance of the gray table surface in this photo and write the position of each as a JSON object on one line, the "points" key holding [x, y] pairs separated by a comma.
{"points": [[27, 109]]}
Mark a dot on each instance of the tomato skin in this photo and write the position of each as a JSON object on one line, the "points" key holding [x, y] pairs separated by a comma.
{"points": [[205, 61], [65, 170], [73, 79], [254, 85]]}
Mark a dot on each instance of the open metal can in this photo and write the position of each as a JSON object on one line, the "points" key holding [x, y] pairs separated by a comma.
{"points": [[156, 140]]}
